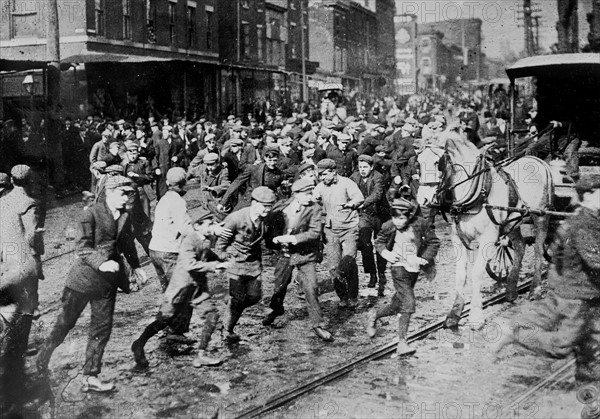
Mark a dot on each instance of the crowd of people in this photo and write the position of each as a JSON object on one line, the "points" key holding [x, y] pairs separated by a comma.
{"points": [[312, 188]]}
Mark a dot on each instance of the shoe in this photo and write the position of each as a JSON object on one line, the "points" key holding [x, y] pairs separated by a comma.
{"points": [[270, 318], [91, 383], [403, 349], [353, 303], [372, 324], [231, 338], [180, 338], [381, 292], [343, 303], [372, 281], [323, 334], [138, 354], [204, 359]]}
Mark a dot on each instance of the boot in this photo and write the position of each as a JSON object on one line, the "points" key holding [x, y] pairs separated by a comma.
{"points": [[373, 280], [323, 334], [270, 318], [372, 323], [138, 354], [204, 359], [403, 347], [382, 282]]}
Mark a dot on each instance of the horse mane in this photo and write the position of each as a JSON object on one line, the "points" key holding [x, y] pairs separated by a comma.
{"points": [[459, 147]]}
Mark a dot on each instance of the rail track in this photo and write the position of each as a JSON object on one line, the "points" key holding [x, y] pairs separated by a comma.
{"points": [[292, 394]]}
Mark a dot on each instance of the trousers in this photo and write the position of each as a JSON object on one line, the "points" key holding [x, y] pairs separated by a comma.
{"points": [[308, 280], [244, 292], [341, 260], [368, 228], [403, 300]]}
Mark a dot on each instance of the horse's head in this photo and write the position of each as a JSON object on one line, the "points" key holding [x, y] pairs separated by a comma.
{"points": [[429, 157]]}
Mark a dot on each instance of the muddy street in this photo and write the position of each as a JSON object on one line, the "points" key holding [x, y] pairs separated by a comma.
{"points": [[450, 376]]}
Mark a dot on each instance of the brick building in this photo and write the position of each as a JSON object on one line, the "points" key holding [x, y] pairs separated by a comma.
{"points": [[121, 54]]}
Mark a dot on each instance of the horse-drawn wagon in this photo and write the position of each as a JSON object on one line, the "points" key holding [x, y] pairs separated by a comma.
{"points": [[490, 201]]}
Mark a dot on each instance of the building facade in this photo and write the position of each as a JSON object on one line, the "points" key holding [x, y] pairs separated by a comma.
{"points": [[115, 54]]}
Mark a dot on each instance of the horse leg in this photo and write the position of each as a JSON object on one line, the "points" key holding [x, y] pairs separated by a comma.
{"points": [[513, 277], [453, 317], [541, 225], [487, 241]]}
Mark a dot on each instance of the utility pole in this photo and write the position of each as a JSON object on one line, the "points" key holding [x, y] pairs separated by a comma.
{"points": [[527, 24], [528, 15], [303, 42], [52, 121]]}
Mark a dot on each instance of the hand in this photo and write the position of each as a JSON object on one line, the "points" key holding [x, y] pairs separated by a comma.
{"points": [[390, 256], [222, 232], [131, 174], [220, 207], [158, 172], [347, 206], [555, 124], [398, 180], [174, 159], [223, 266], [109, 266], [415, 260], [140, 277], [285, 239]]}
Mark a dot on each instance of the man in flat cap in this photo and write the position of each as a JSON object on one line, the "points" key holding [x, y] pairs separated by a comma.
{"points": [[214, 182], [346, 158], [567, 321], [168, 153], [264, 174], [140, 172], [188, 284], [232, 158], [295, 227], [106, 234], [99, 152], [244, 248], [210, 146], [21, 247], [341, 199], [372, 212], [407, 242]]}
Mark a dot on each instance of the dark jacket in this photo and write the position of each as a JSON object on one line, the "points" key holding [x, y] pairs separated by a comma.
{"points": [[426, 241], [373, 192], [251, 178], [308, 231], [346, 161], [102, 238]]}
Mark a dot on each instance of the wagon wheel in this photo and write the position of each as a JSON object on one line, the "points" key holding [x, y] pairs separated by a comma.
{"points": [[499, 267]]}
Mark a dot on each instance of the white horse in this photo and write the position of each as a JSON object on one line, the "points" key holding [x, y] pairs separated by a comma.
{"points": [[459, 174]]}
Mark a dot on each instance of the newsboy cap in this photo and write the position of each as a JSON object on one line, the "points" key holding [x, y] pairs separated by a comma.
{"points": [[21, 172], [175, 176], [401, 204], [306, 166], [303, 185], [264, 195], [365, 158], [381, 148], [326, 164], [210, 158], [344, 138], [119, 182], [236, 142], [270, 149]]}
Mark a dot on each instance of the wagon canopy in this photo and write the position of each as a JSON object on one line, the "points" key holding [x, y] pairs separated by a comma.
{"points": [[557, 66]]}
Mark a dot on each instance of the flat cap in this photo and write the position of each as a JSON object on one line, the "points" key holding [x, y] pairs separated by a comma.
{"points": [[119, 182], [325, 133], [308, 153], [365, 158], [167, 128], [175, 176], [230, 118], [270, 149], [236, 142], [99, 165], [210, 158], [290, 121], [132, 145], [326, 164], [21, 172], [306, 166], [209, 137], [401, 204], [237, 128], [120, 122], [106, 133], [303, 185], [153, 124], [345, 138], [381, 148], [114, 168], [264, 195], [203, 215]]}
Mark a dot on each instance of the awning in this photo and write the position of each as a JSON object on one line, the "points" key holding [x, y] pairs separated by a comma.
{"points": [[558, 65], [107, 57], [10, 65]]}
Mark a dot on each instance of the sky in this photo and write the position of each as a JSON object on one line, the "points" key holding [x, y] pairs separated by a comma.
{"points": [[499, 20]]}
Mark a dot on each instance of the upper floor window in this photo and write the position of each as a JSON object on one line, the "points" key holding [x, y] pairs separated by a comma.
{"points": [[209, 25], [100, 18], [293, 46], [259, 42], [191, 27], [150, 20], [245, 44], [172, 27], [126, 19]]}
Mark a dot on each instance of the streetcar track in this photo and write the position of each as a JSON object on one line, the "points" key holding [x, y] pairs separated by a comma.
{"points": [[289, 395]]}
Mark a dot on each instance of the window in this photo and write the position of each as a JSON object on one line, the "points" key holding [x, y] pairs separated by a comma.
{"points": [[209, 25], [245, 39], [100, 22], [293, 47], [150, 19], [337, 59], [172, 31], [126, 19], [259, 42], [344, 60], [191, 29]]}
